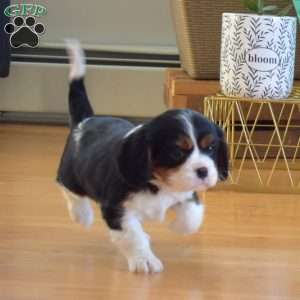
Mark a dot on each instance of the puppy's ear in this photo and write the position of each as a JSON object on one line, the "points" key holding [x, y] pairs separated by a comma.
{"points": [[222, 155], [135, 159]]}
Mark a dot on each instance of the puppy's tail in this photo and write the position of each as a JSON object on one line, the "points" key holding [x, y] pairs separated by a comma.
{"points": [[79, 104]]}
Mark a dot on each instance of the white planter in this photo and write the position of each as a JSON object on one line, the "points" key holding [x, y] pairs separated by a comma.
{"points": [[257, 55]]}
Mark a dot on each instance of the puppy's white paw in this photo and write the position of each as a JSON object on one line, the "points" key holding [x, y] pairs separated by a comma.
{"points": [[145, 264], [189, 217], [82, 212]]}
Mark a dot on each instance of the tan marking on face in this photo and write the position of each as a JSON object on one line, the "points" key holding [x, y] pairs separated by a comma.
{"points": [[184, 142], [163, 174], [206, 141]]}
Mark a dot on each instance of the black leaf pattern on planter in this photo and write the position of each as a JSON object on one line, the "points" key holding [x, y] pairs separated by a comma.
{"points": [[260, 38], [238, 26], [266, 91], [270, 75], [278, 87], [281, 46], [273, 94], [248, 84], [227, 85], [270, 43], [241, 34], [250, 38], [226, 65], [255, 25], [287, 84], [270, 25], [225, 68]]}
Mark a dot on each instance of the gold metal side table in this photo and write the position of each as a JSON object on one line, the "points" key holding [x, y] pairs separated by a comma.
{"points": [[264, 141]]}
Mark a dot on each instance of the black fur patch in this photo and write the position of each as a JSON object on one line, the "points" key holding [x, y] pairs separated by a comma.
{"points": [[195, 198]]}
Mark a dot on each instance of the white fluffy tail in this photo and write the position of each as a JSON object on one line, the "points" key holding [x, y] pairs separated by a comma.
{"points": [[77, 59]]}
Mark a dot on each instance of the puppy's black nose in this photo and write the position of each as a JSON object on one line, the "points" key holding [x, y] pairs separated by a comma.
{"points": [[202, 172]]}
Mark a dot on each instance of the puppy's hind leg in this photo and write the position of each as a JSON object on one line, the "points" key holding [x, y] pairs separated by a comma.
{"points": [[80, 208]]}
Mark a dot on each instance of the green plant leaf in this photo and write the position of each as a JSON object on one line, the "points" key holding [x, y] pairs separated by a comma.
{"points": [[260, 4], [252, 5], [297, 8], [285, 11], [270, 8]]}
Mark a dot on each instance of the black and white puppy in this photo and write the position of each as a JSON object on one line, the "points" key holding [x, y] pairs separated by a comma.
{"points": [[137, 173]]}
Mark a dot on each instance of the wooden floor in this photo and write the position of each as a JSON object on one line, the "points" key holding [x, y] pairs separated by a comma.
{"points": [[249, 247]]}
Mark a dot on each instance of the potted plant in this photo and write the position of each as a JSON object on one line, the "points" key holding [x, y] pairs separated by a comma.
{"points": [[258, 52]]}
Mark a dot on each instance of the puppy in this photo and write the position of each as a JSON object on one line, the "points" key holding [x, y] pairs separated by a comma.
{"points": [[137, 173]]}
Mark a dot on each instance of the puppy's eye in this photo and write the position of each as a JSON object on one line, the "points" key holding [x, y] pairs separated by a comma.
{"points": [[207, 143], [184, 143], [210, 147]]}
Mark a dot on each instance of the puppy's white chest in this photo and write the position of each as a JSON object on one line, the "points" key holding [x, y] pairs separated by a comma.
{"points": [[148, 206]]}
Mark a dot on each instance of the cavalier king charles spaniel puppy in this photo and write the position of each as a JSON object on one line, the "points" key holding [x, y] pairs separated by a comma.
{"points": [[137, 173]]}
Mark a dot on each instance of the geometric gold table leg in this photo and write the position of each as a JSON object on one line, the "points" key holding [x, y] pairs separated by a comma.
{"points": [[281, 149], [244, 125]]}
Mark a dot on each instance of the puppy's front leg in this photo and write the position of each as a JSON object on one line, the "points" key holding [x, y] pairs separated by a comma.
{"points": [[189, 216], [135, 245]]}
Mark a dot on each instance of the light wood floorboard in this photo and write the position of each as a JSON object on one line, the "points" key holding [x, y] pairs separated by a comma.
{"points": [[248, 248]]}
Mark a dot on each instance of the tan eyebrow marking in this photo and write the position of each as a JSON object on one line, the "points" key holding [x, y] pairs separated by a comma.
{"points": [[205, 141], [184, 142]]}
